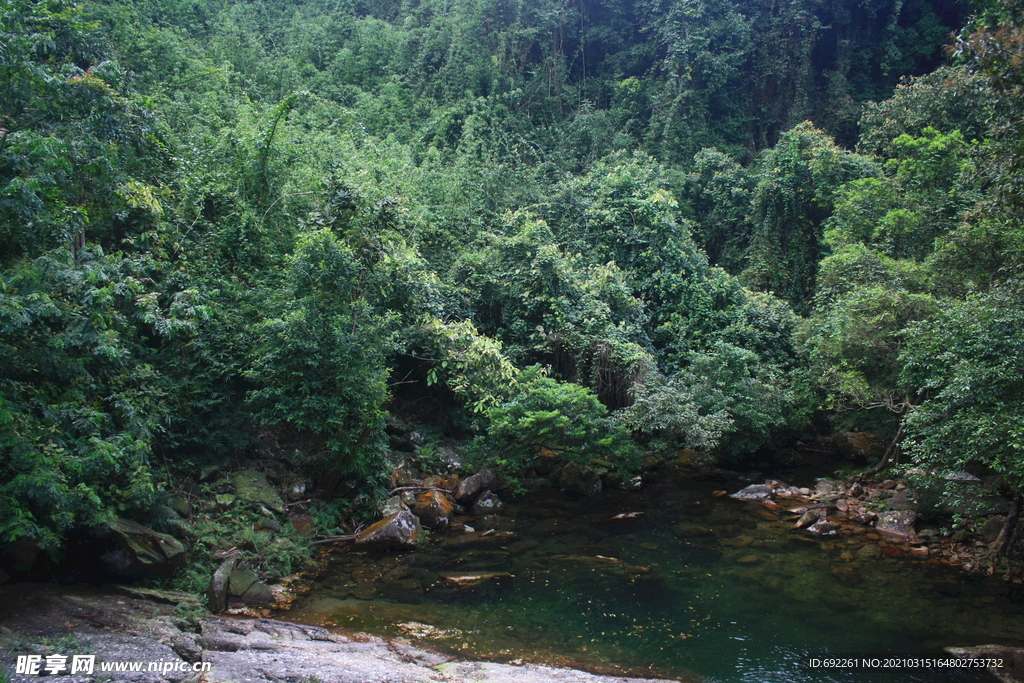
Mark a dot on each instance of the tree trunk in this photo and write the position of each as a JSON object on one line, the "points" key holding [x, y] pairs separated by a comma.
{"points": [[1003, 540], [884, 462]]}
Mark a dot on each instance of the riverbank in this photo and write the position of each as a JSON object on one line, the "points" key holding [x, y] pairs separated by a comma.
{"points": [[122, 626]]}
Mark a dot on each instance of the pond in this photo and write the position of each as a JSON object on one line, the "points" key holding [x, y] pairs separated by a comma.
{"points": [[670, 581]]}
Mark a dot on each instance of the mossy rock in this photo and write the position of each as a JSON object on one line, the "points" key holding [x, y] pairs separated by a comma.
{"points": [[252, 486]]}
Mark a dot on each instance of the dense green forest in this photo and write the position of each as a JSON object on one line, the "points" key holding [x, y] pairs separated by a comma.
{"points": [[611, 229]]}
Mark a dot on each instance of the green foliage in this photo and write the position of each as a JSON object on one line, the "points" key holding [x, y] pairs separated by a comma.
{"points": [[272, 555], [222, 221], [547, 305], [951, 98], [725, 401], [80, 404], [855, 336], [470, 364], [925, 188], [75, 152], [797, 183], [320, 363], [967, 363], [718, 194], [564, 417]]}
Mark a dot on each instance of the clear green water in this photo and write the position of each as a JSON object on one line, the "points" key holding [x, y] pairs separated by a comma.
{"points": [[733, 596]]}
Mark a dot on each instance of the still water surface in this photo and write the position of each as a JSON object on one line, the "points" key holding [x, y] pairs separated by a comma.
{"points": [[696, 587]]}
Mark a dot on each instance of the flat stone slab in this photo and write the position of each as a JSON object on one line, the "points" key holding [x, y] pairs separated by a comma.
{"points": [[119, 628]]}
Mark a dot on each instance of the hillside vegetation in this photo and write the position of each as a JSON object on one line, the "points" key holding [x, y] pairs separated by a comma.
{"points": [[604, 228]]}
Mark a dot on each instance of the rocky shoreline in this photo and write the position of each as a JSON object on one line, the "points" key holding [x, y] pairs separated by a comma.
{"points": [[885, 514], [119, 625]]}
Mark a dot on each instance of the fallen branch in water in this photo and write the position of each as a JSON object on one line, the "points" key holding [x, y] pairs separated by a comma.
{"points": [[419, 488], [335, 539]]}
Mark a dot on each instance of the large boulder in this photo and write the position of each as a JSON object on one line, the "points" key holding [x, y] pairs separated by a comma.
{"points": [[581, 479], [898, 524], [400, 530], [245, 587], [252, 486], [143, 552], [470, 487], [434, 508]]}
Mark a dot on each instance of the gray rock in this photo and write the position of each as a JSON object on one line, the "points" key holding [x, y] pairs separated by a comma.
{"points": [[392, 506], [450, 457], [581, 479], [240, 580], [470, 487], [181, 505], [267, 524], [897, 524], [487, 504], [962, 477], [252, 650], [807, 518], [753, 492], [824, 486], [143, 552], [217, 592], [634, 483], [904, 500], [1010, 659], [257, 594], [822, 527]]}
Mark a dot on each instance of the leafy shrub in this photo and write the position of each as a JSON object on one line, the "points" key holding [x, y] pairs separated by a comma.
{"points": [[564, 417]]}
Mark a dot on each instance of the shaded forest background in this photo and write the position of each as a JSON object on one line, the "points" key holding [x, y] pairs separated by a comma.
{"points": [[610, 229]]}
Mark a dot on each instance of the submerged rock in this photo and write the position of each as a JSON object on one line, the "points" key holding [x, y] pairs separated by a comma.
{"points": [[470, 579], [687, 530], [822, 527], [480, 538], [400, 530]]}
